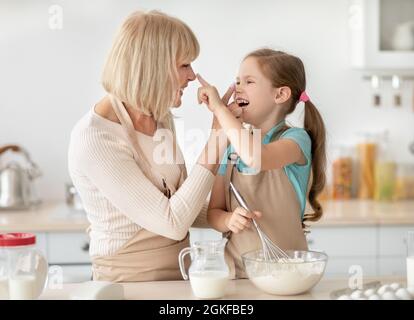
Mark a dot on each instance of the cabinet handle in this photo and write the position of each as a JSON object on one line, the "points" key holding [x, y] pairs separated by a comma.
{"points": [[85, 247]]}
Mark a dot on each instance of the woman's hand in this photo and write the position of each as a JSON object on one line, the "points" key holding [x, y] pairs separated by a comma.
{"points": [[240, 219]]}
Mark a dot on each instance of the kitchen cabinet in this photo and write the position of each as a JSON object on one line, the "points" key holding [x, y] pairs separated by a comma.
{"points": [[346, 247], [69, 251], [381, 34], [344, 242], [354, 232], [393, 249], [393, 266], [392, 240], [345, 266], [68, 248], [379, 249], [41, 243]]}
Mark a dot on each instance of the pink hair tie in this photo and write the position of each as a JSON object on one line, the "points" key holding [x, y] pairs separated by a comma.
{"points": [[304, 97]]}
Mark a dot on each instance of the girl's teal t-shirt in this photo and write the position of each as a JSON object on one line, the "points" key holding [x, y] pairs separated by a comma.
{"points": [[298, 174]]}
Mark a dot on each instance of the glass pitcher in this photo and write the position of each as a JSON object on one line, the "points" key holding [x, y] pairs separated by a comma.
{"points": [[23, 269], [208, 271]]}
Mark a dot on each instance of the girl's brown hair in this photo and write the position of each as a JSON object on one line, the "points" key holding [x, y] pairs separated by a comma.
{"points": [[283, 69]]}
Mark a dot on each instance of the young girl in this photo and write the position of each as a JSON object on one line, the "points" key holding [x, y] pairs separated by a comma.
{"points": [[291, 165]]}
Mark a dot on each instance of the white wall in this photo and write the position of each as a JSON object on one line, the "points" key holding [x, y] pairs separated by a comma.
{"points": [[50, 78]]}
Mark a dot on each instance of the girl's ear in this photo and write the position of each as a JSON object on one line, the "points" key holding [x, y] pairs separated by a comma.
{"points": [[282, 94]]}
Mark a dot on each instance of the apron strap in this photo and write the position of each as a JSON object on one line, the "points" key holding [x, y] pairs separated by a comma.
{"points": [[139, 155]]}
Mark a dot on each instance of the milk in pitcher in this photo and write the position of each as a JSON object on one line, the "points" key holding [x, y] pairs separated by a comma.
{"points": [[209, 285]]}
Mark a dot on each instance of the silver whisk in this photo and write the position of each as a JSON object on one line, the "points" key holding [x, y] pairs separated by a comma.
{"points": [[271, 252]]}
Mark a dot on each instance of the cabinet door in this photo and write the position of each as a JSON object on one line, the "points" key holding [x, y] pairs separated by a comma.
{"points": [[41, 243], [77, 273], [392, 240], [346, 267], [68, 248], [392, 266], [344, 241], [380, 34], [60, 274]]}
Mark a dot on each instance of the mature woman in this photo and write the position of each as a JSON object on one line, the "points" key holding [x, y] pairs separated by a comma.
{"points": [[140, 209]]}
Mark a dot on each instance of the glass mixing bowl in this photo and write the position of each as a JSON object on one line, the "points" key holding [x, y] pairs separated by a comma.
{"points": [[299, 274]]}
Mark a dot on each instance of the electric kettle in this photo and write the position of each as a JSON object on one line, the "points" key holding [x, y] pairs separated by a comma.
{"points": [[16, 182]]}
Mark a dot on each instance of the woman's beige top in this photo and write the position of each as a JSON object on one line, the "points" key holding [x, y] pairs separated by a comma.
{"points": [[119, 199]]}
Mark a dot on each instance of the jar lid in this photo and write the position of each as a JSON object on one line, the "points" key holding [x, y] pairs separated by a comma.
{"points": [[17, 239]]}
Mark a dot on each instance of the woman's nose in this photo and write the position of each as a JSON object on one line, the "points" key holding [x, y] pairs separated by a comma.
{"points": [[191, 75]]}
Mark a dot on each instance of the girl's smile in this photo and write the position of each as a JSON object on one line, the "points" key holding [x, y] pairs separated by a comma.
{"points": [[254, 93]]}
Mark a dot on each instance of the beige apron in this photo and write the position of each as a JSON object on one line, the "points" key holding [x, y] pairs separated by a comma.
{"points": [[271, 193], [146, 256]]}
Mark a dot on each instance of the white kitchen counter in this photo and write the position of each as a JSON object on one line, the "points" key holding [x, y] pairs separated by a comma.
{"points": [[236, 289], [58, 217], [357, 212], [47, 217]]}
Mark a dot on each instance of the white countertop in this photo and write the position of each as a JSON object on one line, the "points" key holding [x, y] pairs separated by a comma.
{"points": [[356, 212], [47, 217], [236, 289], [58, 217]]}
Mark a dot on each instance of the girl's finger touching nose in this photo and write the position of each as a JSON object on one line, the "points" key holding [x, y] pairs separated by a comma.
{"points": [[199, 95], [202, 81], [226, 97]]}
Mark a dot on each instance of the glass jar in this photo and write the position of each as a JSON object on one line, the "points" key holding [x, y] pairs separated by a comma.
{"points": [[385, 170], [23, 269], [208, 271], [404, 182], [384, 180], [342, 173], [367, 150]]}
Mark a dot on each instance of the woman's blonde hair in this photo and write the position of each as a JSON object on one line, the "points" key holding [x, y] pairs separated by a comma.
{"points": [[141, 69]]}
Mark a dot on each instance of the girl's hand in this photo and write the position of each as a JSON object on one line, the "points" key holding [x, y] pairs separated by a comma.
{"points": [[236, 110], [225, 99], [240, 219], [209, 95]]}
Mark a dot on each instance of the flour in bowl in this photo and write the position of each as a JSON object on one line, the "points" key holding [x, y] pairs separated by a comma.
{"points": [[291, 277]]}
